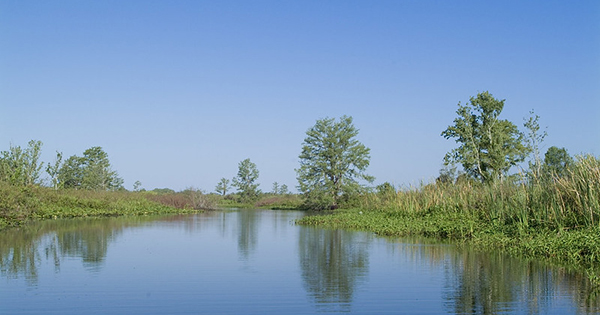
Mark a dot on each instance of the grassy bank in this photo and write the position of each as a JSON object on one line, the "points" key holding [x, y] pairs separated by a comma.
{"points": [[19, 204], [554, 217]]}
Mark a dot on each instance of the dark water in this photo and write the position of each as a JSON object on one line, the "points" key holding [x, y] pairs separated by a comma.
{"points": [[259, 262]]}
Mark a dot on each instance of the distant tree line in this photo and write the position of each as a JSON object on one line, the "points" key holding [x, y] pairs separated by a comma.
{"points": [[246, 184], [333, 162]]}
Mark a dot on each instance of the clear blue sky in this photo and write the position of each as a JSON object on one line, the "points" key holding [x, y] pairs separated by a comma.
{"points": [[178, 92]]}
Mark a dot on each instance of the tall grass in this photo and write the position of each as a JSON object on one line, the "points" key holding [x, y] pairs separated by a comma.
{"points": [[552, 202]]}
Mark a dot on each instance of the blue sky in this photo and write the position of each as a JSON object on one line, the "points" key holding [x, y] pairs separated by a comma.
{"points": [[178, 92]]}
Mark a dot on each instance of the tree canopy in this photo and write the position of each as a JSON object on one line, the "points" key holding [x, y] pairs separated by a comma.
{"points": [[489, 146], [21, 166], [331, 163], [91, 171], [557, 162], [222, 187]]}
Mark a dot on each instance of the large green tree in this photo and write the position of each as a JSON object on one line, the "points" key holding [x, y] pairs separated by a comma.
{"points": [[332, 162], [489, 146], [245, 181], [91, 171]]}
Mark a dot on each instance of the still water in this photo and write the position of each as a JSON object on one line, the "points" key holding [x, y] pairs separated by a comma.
{"points": [[259, 262]]}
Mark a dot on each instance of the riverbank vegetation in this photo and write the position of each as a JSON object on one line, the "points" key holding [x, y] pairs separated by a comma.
{"points": [[20, 204], [502, 214], [78, 187], [495, 190], [486, 219], [551, 209]]}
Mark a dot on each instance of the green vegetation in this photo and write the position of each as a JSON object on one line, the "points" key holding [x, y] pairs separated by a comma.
{"points": [[91, 171], [560, 204], [489, 147], [190, 198], [331, 163], [21, 166], [551, 210], [80, 187], [223, 187], [245, 181], [556, 219], [20, 204]]}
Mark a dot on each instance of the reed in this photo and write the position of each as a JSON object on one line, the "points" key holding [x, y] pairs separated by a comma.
{"points": [[552, 202]]}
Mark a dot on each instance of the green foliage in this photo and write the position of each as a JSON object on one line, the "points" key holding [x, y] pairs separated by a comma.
{"points": [[245, 182], [53, 170], [557, 219], [162, 191], [331, 163], [283, 189], [534, 138], [279, 189], [557, 162], [279, 202], [190, 199], [137, 186], [70, 174], [19, 204], [21, 167], [91, 171], [385, 189], [489, 147], [447, 175], [222, 187]]}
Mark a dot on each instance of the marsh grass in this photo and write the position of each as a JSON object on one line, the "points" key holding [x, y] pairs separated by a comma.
{"points": [[556, 203]]}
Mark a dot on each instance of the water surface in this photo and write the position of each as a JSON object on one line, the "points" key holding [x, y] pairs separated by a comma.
{"points": [[259, 262]]}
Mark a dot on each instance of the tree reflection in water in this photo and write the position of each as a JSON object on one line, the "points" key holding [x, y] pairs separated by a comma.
{"points": [[23, 249], [493, 283], [333, 263], [247, 232]]}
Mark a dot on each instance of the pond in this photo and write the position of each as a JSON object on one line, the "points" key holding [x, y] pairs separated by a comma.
{"points": [[260, 262]]}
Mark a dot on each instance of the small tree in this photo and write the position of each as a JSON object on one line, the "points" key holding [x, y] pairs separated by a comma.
{"points": [[275, 189], [283, 190], [245, 181], [331, 163], [447, 175], [222, 187], [53, 169], [137, 186], [489, 147], [534, 139], [385, 188]]}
